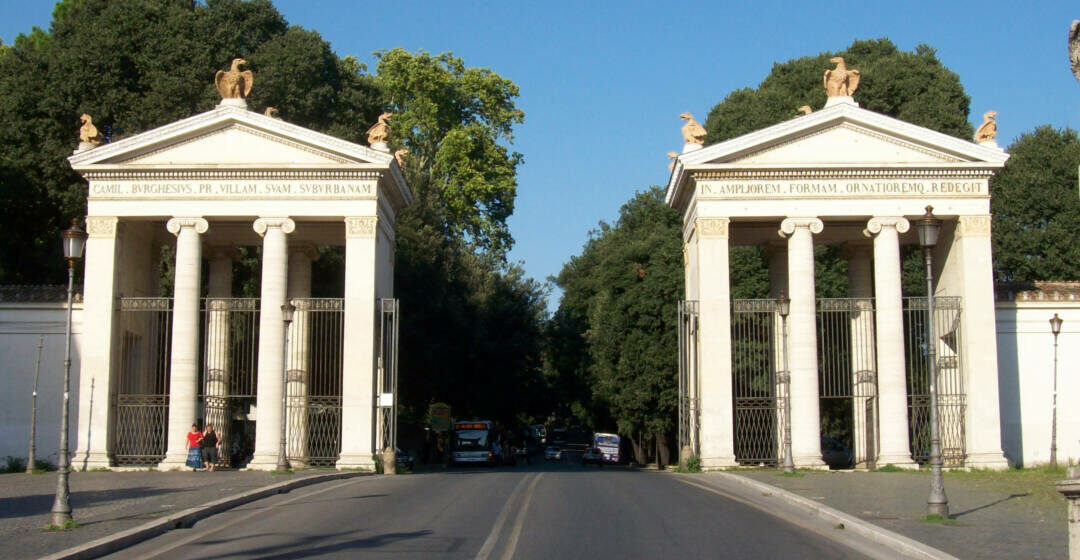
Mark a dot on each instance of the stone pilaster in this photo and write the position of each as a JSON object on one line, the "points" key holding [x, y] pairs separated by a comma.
{"points": [[714, 306], [358, 383], [275, 258], [184, 362], [894, 446], [802, 341], [98, 346]]}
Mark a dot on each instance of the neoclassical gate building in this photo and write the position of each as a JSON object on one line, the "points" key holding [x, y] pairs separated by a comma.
{"points": [[152, 366], [841, 176]]}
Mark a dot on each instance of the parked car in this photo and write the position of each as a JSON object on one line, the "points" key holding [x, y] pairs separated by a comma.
{"points": [[593, 456], [552, 453], [836, 454], [403, 460]]}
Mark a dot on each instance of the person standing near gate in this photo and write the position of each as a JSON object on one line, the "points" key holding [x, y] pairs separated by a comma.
{"points": [[209, 445], [194, 454]]}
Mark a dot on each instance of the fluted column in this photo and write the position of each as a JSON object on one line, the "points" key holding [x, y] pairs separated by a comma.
{"points": [[892, 373], [184, 362], [275, 258], [358, 380], [859, 257], [802, 342], [301, 256], [717, 419]]}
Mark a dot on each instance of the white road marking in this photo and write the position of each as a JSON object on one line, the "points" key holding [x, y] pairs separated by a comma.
{"points": [[493, 537], [511, 545]]}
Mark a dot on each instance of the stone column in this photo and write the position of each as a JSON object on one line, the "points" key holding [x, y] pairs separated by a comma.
{"points": [[218, 339], [776, 255], [802, 342], [863, 363], [301, 256], [98, 348], [892, 373], [358, 380], [275, 256], [184, 363], [979, 340], [717, 420]]}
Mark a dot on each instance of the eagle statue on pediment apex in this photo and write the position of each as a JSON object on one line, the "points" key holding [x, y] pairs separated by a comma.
{"points": [[234, 84]]}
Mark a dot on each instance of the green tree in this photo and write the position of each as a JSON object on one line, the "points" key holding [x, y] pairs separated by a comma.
{"points": [[1036, 208]]}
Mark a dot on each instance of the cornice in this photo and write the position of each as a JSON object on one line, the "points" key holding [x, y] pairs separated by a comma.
{"points": [[743, 173], [258, 173]]}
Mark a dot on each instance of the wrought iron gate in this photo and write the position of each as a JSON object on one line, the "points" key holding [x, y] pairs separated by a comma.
{"points": [[847, 373], [951, 396], [314, 376], [754, 341], [688, 377], [387, 373], [142, 400], [230, 345]]}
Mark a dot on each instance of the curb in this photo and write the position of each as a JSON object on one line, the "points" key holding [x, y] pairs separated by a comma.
{"points": [[853, 525], [188, 517]]}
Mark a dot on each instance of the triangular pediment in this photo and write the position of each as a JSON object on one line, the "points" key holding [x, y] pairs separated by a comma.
{"points": [[230, 136], [844, 143]]}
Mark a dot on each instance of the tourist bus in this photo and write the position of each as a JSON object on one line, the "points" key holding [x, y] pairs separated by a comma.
{"points": [[609, 446], [473, 442]]}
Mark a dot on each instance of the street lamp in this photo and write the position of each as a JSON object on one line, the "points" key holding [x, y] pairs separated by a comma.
{"points": [[938, 503], [1055, 327], [74, 241], [287, 311], [783, 307]]}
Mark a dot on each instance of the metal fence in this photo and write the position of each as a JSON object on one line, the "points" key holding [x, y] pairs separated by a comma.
{"points": [[847, 373], [142, 400], [688, 377], [387, 373], [314, 378], [754, 341], [228, 377], [951, 397]]}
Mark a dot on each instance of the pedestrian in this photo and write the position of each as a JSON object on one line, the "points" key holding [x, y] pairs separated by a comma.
{"points": [[209, 445], [194, 454]]}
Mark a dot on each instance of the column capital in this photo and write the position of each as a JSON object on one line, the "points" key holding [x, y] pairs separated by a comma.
{"points": [[304, 248], [968, 226], [176, 224], [286, 225], [360, 226], [789, 225], [101, 226], [875, 225], [712, 227]]}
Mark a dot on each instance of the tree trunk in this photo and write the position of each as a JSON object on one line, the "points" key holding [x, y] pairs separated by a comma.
{"points": [[663, 450], [639, 451]]}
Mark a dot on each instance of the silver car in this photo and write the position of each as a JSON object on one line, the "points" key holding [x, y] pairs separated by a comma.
{"points": [[552, 453]]}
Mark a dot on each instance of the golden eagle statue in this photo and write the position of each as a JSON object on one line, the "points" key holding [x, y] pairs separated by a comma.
{"points": [[234, 84], [380, 131], [1074, 48], [841, 81], [88, 133], [692, 131]]}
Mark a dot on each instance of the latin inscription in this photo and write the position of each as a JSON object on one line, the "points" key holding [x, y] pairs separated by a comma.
{"points": [[227, 189], [843, 188]]}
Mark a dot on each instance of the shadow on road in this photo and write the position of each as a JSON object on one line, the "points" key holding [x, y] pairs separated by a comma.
{"points": [[21, 506], [991, 504], [311, 545]]}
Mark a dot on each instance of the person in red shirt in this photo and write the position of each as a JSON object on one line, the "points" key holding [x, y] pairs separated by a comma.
{"points": [[194, 456]]}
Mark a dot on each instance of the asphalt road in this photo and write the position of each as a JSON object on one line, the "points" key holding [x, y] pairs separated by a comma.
{"points": [[553, 510]]}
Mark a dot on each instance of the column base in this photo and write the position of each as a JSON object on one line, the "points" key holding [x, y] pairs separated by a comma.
{"points": [[902, 461], [356, 461], [718, 463], [995, 461], [263, 462], [809, 462], [83, 460]]}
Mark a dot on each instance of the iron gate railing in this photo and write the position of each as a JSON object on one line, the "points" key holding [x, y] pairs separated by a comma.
{"points": [[142, 400], [847, 373], [387, 373], [753, 375], [951, 397], [228, 377], [314, 380], [688, 377]]}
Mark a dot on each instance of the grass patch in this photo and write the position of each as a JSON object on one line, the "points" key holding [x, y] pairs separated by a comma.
{"points": [[286, 471], [67, 526], [935, 518], [795, 474], [693, 465], [890, 468]]}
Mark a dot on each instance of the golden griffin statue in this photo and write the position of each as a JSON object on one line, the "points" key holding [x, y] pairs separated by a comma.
{"points": [[380, 131], [692, 131], [841, 81], [1074, 47], [987, 131], [234, 84], [88, 133]]}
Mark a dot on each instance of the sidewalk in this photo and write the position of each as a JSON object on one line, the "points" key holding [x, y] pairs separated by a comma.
{"points": [[105, 503], [1012, 514]]}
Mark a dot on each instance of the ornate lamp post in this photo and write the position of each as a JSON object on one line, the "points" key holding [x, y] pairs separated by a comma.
{"points": [[74, 241], [1055, 327], [287, 311], [783, 307], [938, 503]]}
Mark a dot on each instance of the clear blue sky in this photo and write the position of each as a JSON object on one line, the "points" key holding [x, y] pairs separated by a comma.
{"points": [[603, 83]]}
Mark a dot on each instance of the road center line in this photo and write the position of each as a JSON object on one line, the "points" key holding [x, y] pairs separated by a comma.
{"points": [[511, 544], [493, 537]]}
